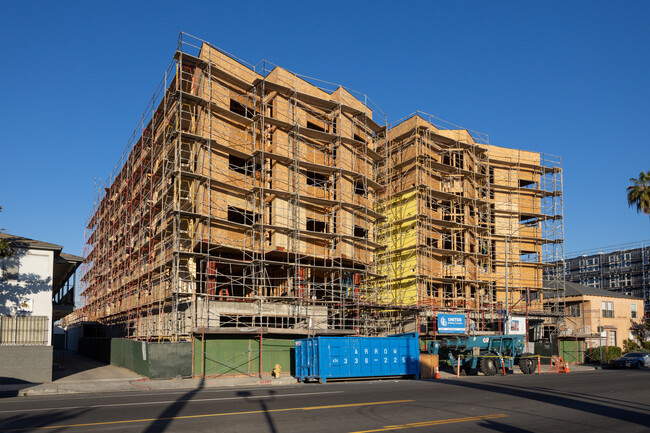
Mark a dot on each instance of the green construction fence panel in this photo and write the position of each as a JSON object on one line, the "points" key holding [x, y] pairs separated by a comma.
{"points": [[240, 355], [167, 360], [572, 351]]}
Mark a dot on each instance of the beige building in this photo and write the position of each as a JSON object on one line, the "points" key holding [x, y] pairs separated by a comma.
{"points": [[618, 316]]}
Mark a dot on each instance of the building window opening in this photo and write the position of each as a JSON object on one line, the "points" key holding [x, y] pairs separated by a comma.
{"points": [[316, 179], [317, 226]]}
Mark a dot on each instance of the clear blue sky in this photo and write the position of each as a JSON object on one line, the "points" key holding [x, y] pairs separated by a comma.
{"points": [[564, 78]]}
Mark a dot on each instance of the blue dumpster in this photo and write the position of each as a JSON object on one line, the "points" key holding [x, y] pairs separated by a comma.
{"points": [[322, 358]]}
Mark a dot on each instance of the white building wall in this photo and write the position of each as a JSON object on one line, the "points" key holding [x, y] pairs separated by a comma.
{"points": [[29, 290]]}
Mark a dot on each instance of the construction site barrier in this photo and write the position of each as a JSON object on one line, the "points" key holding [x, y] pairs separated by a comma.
{"points": [[558, 365]]}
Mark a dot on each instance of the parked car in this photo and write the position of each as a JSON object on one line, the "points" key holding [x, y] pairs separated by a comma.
{"points": [[632, 360]]}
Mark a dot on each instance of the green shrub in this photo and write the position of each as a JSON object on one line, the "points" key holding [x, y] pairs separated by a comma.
{"points": [[646, 345], [629, 346], [609, 353]]}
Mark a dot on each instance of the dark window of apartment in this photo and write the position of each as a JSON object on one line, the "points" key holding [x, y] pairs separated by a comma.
{"points": [[431, 203], [311, 125], [527, 183], [432, 242], [459, 160], [432, 289], [455, 159], [316, 179], [241, 165], [527, 220], [446, 210], [360, 232], [359, 138], [239, 108], [574, 310], [359, 187], [459, 290], [446, 243], [241, 216], [447, 290], [460, 241], [316, 226], [608, 309], [458, 212], [483, 247]]}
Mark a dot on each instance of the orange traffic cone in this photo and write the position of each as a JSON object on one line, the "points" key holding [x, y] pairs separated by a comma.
{"points": [[437, 375]]}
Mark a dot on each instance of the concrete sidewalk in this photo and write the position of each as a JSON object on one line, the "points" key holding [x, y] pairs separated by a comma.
{"points": [[144, 384], [78, 374]]}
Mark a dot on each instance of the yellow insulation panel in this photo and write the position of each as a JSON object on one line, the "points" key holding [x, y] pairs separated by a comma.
{"points": [[400, 236]]}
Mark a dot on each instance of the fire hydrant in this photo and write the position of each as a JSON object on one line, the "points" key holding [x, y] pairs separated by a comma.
{"points": [[277, 370]]}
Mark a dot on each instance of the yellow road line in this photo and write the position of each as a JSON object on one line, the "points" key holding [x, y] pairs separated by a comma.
{"points": [[335, 406], [432, 423]]}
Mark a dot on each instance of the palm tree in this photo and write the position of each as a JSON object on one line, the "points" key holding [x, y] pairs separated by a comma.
{"points": [[638, 194]]}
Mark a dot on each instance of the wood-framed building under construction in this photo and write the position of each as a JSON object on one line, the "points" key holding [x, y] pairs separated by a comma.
{"points": [[255, 199]]}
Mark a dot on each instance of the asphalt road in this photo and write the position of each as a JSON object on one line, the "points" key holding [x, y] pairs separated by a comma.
{"points": [[599, 401]]}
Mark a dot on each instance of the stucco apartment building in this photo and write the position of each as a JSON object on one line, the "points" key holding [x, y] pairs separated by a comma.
{"points": [[36, 289], [601, 317]]}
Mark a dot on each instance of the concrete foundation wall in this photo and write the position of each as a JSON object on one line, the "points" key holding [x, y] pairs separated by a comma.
{"points": [[26, 363]]}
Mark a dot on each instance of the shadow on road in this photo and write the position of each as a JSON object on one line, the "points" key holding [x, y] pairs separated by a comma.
{"points": [[166, 417], [599, 399], [568, 400], [262, 402], [500, 427], [47, 421]]}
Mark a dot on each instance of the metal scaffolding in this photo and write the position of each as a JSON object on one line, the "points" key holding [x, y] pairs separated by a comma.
{"points": [[255, 199], [461, 215], [246, 198]]}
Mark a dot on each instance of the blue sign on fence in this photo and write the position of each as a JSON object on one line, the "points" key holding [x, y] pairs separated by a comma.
{"points": [[451, 323]]}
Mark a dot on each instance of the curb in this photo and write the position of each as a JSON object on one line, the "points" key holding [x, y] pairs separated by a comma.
{"points": [[100, 386]]}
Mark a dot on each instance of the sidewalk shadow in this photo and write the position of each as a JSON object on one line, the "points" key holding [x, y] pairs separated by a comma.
{"points": [[262, 402], [167, 416], [9, 386], [67, 363], [571, 401]]}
